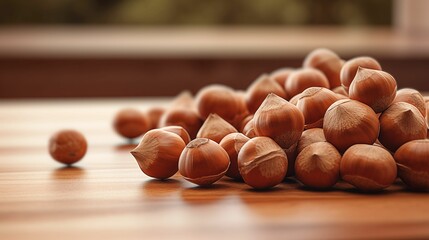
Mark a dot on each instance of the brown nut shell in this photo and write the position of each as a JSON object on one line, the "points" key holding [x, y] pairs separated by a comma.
{"points": [[67, 146], [232, 143], [180, 131], [318, 165], [313, 103], [412, 160], [280, 120], [154, 115], [375, 88], [367, 167], [401, 123], [249, 129], [130, 123], [258, 91], [158, 153], [203, 162], [223, 101], [412, 97], [215, 128], [280, 76], [310, 136], [350, 68], [187, 118], [262, 163], [304, 78], [328, 62], [348, 122]]}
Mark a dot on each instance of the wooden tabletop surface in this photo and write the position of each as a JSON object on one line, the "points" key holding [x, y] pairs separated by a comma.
{"points": [[106, 196]]}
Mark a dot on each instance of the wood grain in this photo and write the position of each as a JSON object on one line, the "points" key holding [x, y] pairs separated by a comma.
{"points": [[106, 196]]}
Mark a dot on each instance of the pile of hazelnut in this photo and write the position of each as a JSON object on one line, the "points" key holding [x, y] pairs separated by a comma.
{"points": [[329, 120]]}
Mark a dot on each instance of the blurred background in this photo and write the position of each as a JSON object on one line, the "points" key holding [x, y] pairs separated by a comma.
{"points": [[137, 48]]}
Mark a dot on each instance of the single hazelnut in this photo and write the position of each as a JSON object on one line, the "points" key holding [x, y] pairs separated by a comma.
{"points": [[412, 97], [401, 123], [350, 68], [310, 136], [328, 62], [223, 101], [262, 163], [215, 128], [318, 165], [131, 123], [249, 129], [244, 123], [367, 167], [154, 115], [203, 162], [313, 103], [183, 100], [280, 120], [259, 89], [412, 160], [187, 118], [348, 122], [280, 76], [67, 146], [158, 153], [375, 88], [232, 143], [302, 79]]}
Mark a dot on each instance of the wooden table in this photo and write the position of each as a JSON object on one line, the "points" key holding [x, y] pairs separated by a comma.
{"points": [[106, 196]]}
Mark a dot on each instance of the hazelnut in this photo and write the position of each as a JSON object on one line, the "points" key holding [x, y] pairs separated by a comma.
{"points": [[203, 162], [302, 79], [244, 123], [368, 167], [67, 146], [412, 160], [280, 120], [249, 129], [158, 153], [187, 118], [348, 122], [375, 88], [258, 91], [313, 103], [350, 68], [318, 165], [131, 123], [401, 123], [262, 163], [412, 97], [183, 100], [215, 128], [222, 101], [328, 62], [280, 76], [154, 115], [310, 136], [232, 143]]}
